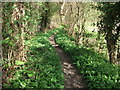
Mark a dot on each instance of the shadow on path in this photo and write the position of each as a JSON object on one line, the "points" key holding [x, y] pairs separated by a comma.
{"points": [[72, 79]]}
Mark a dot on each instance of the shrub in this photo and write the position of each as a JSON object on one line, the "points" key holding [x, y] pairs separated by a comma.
{"points": [[43, 68], [98, 72]]}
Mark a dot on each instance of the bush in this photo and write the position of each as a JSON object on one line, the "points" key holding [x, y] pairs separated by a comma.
{"points": [[43, 68], [98, 72]]}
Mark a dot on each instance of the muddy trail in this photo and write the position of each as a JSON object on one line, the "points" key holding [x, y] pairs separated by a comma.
{"points": [[72, 79]]}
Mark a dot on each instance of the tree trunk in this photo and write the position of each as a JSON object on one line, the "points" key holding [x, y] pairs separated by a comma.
{"points": [[111, 47], [81, 24], [22, 33], [0, 35], [0, 47], [61, 12]]}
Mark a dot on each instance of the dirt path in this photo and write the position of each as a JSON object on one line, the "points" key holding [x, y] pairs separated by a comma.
{"points": [[72, 78]]}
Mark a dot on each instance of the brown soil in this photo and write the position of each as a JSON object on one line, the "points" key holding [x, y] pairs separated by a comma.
{"points": [[72, 79]]}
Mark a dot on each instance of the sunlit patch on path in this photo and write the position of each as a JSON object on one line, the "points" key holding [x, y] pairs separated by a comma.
{"points": [[72, 78]]}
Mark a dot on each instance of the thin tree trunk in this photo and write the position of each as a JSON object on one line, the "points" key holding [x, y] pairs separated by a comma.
{"points": [[61, 12], [0, 48], [111, 47], [81, 27], [22, 13]]}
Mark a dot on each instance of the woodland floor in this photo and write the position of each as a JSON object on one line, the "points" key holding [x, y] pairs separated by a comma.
{"points": [[72, 79]]}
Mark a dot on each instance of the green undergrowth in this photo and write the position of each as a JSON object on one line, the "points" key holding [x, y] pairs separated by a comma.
{"points": [[99, 73], [42, 69]]}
